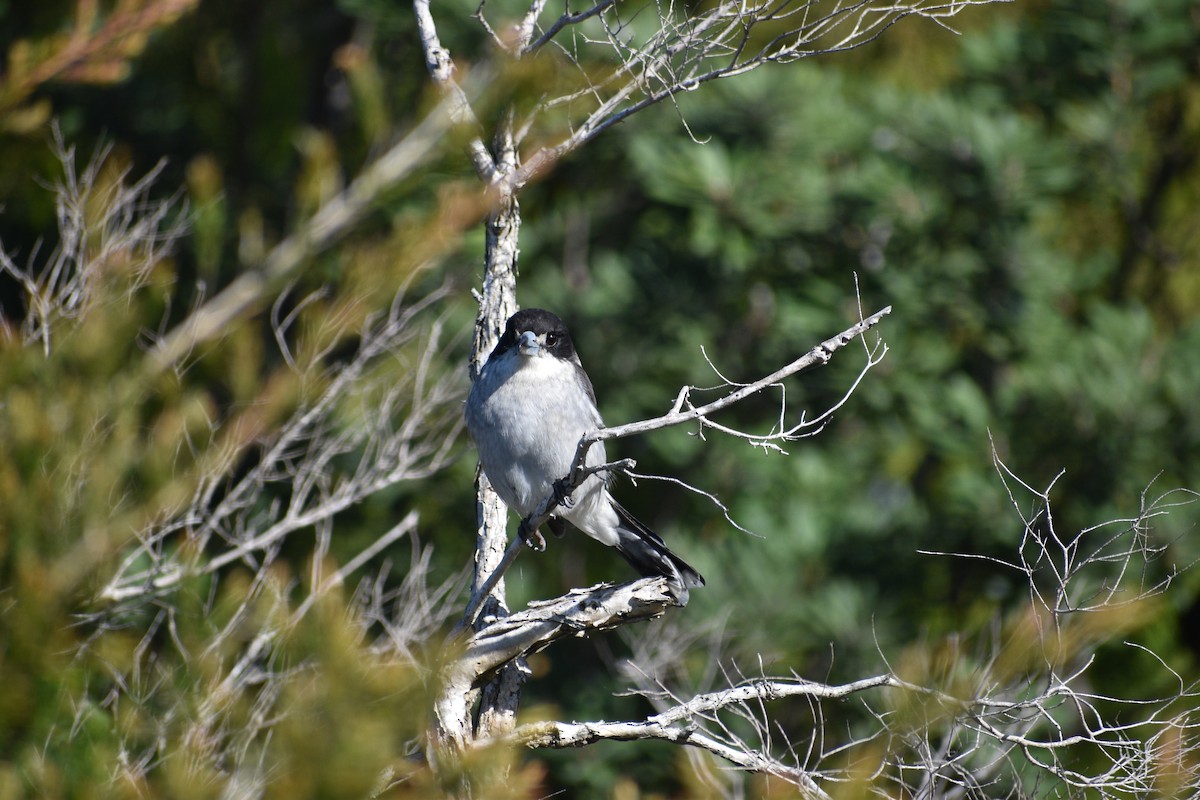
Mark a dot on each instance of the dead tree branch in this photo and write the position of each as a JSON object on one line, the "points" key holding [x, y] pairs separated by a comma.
{"points": [[104, 226], [628, 58], [328, 225], [1004, 707], [684, 411], [504, 640], [407, 434]]}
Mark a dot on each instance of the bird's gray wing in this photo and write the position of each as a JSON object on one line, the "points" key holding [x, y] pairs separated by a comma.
{"points": [[584, 381]]}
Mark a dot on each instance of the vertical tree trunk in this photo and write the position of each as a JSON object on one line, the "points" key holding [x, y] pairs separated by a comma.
{"points": [[498, 704], [500, 698]]}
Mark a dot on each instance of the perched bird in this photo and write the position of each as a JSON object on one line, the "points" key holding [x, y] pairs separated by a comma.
{"points": [[526, 412]]}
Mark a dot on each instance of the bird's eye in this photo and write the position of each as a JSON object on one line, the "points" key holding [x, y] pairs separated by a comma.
{"points": [[551, 339]]}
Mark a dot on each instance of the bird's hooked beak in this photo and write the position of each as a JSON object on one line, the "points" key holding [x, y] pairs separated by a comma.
{"points": [[528, 344]]}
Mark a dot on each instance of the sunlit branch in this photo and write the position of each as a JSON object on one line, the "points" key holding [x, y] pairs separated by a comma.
{"points": [[441, 69], [103, 225], [687, 47], [332, 221], [502, 641], [406, 435], [683, 411], [687, 723]]}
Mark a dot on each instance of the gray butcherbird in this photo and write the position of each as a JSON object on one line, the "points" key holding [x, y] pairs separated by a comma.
{"points": [[526, 412]]}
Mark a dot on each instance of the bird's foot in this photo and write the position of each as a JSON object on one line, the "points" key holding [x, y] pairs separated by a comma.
{"points": [[562, 492], [533, 540]]}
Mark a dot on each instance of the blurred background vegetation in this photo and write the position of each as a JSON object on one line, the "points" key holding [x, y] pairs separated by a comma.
{"points": [[1024, 195]]}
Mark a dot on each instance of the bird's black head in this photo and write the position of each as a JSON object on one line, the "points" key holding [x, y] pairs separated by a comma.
{"points": [[550, 332]]}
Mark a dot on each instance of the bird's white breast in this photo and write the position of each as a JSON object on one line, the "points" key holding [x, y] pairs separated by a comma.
{"points": [[526, 414]]}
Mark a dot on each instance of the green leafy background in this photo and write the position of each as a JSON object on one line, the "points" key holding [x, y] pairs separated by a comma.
{"points": [[1024, 196]]}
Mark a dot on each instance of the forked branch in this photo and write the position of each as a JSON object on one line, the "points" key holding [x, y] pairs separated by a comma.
{"points": [[683, 411]]}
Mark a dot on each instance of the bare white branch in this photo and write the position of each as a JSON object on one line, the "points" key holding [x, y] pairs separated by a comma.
{"points": [[630, 57], [405, 432], [388, 413], [507, 639], [331, 222], [1097, 568], [105, 225], [689, 723], [684, 411], [1022, 707], [441, 69]]}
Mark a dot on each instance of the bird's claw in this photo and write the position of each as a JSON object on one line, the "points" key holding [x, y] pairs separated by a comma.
{"points": [[562, 492], [533, 540]]}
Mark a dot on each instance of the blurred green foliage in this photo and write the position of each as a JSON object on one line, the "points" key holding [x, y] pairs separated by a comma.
{"points": [[1041, 260], [1024, 196]]}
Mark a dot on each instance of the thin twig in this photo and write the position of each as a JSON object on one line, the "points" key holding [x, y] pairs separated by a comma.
{"points": [[683, 411]]}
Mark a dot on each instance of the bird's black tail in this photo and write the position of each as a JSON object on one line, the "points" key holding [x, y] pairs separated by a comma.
{"points": [[649, 555]]}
